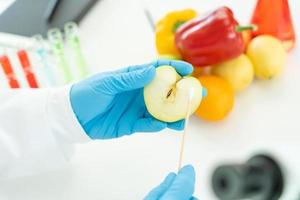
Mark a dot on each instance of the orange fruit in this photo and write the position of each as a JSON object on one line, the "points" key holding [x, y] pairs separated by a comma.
{"points": [[219, 100]]}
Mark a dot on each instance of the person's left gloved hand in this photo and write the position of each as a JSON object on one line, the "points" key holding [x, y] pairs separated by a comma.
{"points": [[110, 105], [175, 187]]}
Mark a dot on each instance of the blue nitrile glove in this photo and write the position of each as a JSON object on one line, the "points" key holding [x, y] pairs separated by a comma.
{"points": [[110, 105], [175, 187]]}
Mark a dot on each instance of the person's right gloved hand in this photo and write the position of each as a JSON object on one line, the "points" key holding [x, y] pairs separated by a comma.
{"points": [[175, 187]]}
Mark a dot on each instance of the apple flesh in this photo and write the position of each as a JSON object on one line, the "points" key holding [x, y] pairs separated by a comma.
{"points": [[168, 95]]}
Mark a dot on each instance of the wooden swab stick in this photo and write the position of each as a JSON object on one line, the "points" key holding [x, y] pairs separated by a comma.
{"points": [[187, 117]]}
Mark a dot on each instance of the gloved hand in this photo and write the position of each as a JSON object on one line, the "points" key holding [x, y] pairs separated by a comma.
{"points": [[175, 187], [110, 105]]}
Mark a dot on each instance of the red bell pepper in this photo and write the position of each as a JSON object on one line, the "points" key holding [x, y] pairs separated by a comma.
{"points": [[210, 39]]}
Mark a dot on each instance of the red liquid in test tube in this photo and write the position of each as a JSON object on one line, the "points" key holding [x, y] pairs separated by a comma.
{"points": [[25, 63], [9, 73]]}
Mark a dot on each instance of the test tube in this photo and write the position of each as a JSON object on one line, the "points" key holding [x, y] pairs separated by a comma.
{"points": [[57, 46], [41, 51], [73, 39], [27, 69], [9, 72]]}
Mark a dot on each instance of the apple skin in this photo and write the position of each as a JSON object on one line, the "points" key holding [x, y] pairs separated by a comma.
{"points": [[167, 96]]}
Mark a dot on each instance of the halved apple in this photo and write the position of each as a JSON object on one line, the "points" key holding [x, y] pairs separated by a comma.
{"points": [[167, 96]]}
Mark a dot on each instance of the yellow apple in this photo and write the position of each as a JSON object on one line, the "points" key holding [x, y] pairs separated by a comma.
{"points": [[267, 55], [238, 72]]}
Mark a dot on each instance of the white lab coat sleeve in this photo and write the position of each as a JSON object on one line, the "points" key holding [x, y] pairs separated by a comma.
{"points": [[37, 131]]}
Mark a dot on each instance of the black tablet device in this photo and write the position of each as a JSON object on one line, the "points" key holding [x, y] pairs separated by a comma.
{"points": [[29, 17]]}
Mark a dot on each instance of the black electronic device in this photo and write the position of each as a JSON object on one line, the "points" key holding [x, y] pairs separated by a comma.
{"points": [[29, 17], [260, 178]]}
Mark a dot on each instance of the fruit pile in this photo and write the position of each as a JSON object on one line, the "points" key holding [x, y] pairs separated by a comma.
{"points": [[226, 56]]}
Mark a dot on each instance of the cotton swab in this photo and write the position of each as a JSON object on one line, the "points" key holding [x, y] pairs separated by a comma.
{"points": [[187, 117]]}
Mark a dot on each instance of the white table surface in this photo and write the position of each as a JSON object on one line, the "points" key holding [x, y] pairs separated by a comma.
{"points": [[265, 118]]}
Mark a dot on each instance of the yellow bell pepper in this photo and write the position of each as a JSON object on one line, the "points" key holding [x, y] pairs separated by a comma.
{"points": [[166, 28]]}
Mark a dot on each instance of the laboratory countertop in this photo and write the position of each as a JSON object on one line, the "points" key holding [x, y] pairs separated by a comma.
{"points": [[265, 118]]}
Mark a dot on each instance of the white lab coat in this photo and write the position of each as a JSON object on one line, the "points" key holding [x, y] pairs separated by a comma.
{"points": [[37, 131]]}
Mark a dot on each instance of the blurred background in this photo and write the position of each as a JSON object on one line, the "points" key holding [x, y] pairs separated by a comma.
{"points": [[251, 153]]}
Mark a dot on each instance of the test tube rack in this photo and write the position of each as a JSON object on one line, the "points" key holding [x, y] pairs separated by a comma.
{"points": [[37, 62]]}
